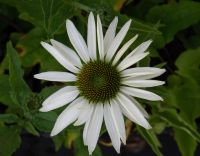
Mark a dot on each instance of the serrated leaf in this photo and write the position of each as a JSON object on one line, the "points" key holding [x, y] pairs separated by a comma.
{"points": [[19, 89], [151, 139], [5, 97], [175, 17], [9, 140]]}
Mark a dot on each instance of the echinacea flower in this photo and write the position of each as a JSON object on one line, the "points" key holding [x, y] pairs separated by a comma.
{"points": [[103, 82]]}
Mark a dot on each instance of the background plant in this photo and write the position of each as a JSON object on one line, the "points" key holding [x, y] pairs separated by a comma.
{"points": [[174, 27]]}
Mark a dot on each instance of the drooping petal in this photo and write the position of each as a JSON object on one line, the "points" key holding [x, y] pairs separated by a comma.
{"points": [[143, 111], [100, 38], [142, 73], [123, 49], [91, 37], [85, 113], [140, 93], [77, 41], [129, 61], [112, 127], [85, 131], [141, 48], [110, 34], [56, 76], [120, 120], [59, 57], [94, 127], [60, 98], [131, 111], [142, 83], [69, 54], [68, 116], [117, 40]]}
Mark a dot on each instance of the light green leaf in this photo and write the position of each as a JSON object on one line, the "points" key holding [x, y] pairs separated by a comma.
{"points": [[187, 145], [31, 129], [151, 139]]}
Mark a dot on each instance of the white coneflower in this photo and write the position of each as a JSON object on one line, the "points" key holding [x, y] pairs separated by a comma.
{"points": [[102, 84]]}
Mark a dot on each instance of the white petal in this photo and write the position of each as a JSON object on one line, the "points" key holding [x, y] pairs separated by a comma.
{"points": [[100, 38], [85, 113], [140, 93], [120, 120], [139, 106], [69, 54], [129, 61], [94, 127], [142, 73], [142, 83], [112, 127], [141, 48], [85, 131], [123, 49], [77, 41], [117, 40], [91, 37], [60, 98], [131, 111], [110, 34], [59, 57], [56, 76], [68, 116]]}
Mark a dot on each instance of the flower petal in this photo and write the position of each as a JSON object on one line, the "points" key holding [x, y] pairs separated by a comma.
{"points": [[142, 73], [129, 61], [59, 57], [139, 106], [131, 111], [85, 113], [140, 93], [77, 41], [91, 37], [142, 83], [60, 98], [56, 76], [110, 34], [112, 127], [94, 127], [120, 120], [123, 49], [68, 116], [117, 40], [100, 38], [69, 54], [141, 48]]}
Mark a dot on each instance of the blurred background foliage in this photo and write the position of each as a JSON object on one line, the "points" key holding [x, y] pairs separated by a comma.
{"points": [[173, 25]]}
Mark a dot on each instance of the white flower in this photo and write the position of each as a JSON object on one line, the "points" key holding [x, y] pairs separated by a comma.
{"points": [[104, 85]]}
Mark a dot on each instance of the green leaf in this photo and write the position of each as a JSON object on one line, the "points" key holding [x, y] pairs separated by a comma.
{"points": [[44, 121], [50, 15], [8, 118], [175, 120], [151, 139], [187, 148], [5, 97], [81, 150], [31, 129], [19, 89], [9, 140], [175, 17]]}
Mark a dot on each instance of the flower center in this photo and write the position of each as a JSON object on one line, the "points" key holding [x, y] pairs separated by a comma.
{"points": [[98, 81]]}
